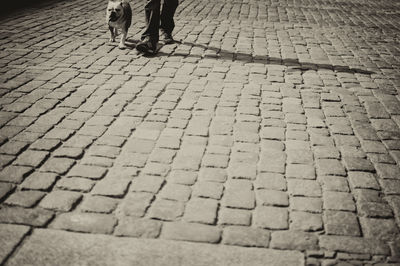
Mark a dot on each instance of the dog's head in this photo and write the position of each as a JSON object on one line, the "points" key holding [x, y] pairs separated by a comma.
{"points": [[114, 10]]}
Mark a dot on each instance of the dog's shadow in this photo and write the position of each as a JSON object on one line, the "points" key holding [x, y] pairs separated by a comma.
{"points": [[130, 43]]}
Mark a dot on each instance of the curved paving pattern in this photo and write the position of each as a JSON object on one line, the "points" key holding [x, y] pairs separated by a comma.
{"points": [[272, 125]]}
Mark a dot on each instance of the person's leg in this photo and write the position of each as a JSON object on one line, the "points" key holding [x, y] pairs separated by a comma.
{"points": [[167, 16], [150, 35]]}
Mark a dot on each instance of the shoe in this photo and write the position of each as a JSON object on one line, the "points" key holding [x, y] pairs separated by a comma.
{"points": [[147, 46], [166, 38]]}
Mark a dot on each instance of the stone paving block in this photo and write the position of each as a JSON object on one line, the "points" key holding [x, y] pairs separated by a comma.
{"points": [[390, 186], [13, 147], [110, 140], [14, 174], [303, 187], [346, 140], [139, 146], [212, 174], [132, 159], [85, 222], [246, 137], [382, 229], [18, 215], [245, 236], [200, 210], [205, 189], [95, 131], [329, 167], [164, 156], [307, 204], [326, 152], [384, 125], [272, 161], [57, 165], [396, 156], [297, 145], [191, 232], [135, 204], [349, 152], [111, 186], [60, 200], [25, 198], [387, 171], [182, 177], [98, 204], [273, 133], [353, 245], [147, 183], [87, 171], [380, 158], [363, 180], [228, 216], [294, 240], [374, 210], [376, 110], [305, 221], [272, 198], [6, 160], [166, 210], [243, 157], [186, 163], [215, 161], [239, 199], [103, 151], [59, 133], [147, 134], [10, 236], [300, 157], [79, 141], [97, 161], [358, 164], [341, 223], [68, 152], [175, 192], [272, 144], [271, 217], [341, 201], [334, 183], [5, 190], [373, 146], [242, 170], [272, 181], [75, 184], [134, 227], [301, 171]]}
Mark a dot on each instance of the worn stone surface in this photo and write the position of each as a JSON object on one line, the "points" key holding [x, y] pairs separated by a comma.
{"points": [[245, 236], [105, 250], [85, 222], [265, 119], [294, 240], [10, 236]]}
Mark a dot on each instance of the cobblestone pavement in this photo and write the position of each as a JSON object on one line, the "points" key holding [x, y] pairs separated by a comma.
{"points": [[272, 126]]}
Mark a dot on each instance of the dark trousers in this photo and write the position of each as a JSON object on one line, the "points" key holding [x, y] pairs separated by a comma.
{"points": [[156, 21]]}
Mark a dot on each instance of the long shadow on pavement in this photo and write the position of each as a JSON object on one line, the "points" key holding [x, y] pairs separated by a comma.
{"points": [[249, 58]]}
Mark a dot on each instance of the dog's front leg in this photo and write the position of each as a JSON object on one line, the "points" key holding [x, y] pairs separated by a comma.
{"points": [[122, 44], [112, 39]]}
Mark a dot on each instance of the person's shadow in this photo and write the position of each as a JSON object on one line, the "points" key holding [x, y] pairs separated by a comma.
{"points": [[249, 58]]}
